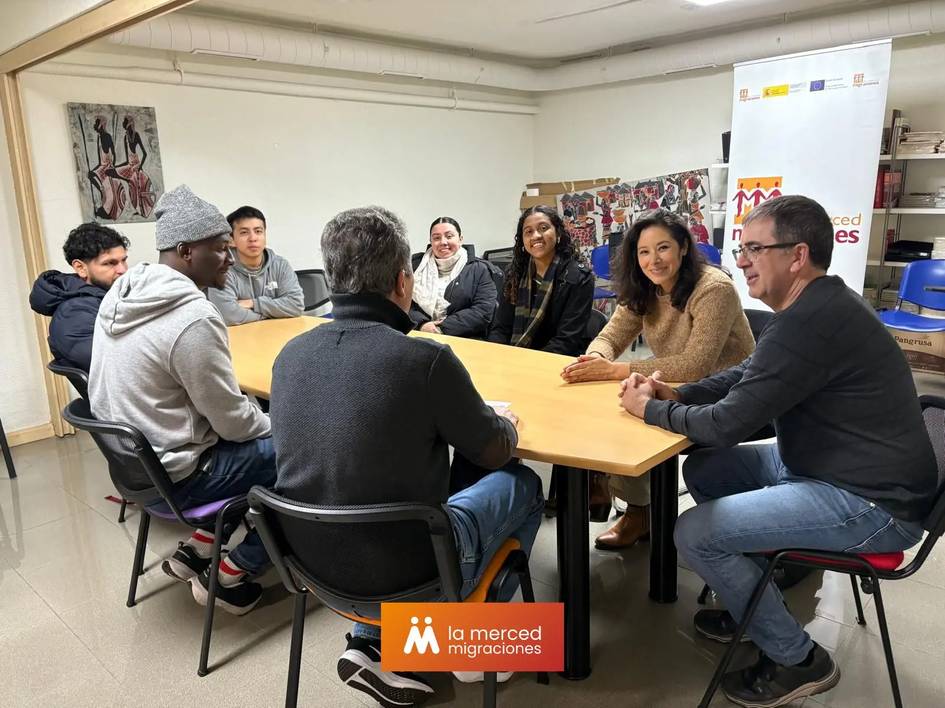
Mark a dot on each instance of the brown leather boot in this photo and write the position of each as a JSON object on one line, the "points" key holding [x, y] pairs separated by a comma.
{"points": [[633, 526]]}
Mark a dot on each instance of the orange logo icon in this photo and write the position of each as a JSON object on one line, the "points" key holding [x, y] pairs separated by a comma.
{"points": [[476, 636], [858, 79], [743, 94], [752, 191]]}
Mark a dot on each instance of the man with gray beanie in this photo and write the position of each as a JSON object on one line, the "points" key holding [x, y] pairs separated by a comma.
{"points": [[161, 362]]}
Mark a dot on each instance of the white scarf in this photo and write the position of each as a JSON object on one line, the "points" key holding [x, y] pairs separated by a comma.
{"points": [[429, 286]]}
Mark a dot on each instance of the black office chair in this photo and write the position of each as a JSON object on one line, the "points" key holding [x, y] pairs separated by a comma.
{"points": [[315, 290], [501, 257], [757, 321], [595, 323], [295, 535], [80, 382], [415, 258], [139, 476], [870, 568], [77, 377], [7, 456]]}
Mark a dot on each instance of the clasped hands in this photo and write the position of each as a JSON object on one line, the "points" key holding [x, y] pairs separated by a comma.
{"points": [[636, 390]]}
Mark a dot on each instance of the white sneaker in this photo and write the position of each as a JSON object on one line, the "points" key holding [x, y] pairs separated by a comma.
{"points": [[479, 676]]}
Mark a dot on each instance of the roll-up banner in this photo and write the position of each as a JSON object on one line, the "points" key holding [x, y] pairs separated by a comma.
{"points": [[810, 124]]}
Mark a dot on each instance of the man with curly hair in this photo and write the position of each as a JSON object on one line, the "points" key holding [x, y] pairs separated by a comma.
{"points": [[98, 255]]}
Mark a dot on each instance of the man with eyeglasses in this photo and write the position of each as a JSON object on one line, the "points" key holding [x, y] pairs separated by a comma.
{"points": [[852, 470]]}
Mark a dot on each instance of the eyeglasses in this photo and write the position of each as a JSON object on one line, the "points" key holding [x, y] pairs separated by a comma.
{"points": [[751, 251]]}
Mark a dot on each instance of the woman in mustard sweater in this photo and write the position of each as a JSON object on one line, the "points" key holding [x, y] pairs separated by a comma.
{"points": [[692, 320]]}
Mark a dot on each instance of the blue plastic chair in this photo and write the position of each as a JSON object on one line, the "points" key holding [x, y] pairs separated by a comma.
{"points": [[600, 264], [710, 253], [923, 284]]}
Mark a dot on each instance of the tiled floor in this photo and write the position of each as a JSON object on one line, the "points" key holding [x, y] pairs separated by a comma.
{"points": [[67, 639]]}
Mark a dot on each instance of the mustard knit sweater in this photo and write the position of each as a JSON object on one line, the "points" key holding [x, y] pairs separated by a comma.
{"points": [[710, 335]]}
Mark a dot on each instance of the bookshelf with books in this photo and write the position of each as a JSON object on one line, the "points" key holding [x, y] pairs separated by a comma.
{"points": [[905, 235]]}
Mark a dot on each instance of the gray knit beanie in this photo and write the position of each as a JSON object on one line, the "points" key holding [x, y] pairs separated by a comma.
{"points": [[183, 217]]}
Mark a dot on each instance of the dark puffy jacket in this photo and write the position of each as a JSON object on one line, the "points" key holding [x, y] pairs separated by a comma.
{"points": [[472, 298], [73, 305], [563, 330]]}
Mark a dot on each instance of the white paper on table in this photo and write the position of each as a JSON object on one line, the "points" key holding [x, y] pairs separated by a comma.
{"points": [[498, 406]]}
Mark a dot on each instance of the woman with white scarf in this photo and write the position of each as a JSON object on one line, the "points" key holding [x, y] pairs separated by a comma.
{"points": [[453, 293]]}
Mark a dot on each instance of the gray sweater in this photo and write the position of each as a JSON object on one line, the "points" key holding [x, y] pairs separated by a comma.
{"points": [[363, 414], [161, 362], [841, 396], [273, 288]]}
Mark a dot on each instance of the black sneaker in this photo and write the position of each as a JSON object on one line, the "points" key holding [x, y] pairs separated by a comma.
{"points": [[185, 563], [767, 684], [717, 625], [236, 599], [360, 668]]}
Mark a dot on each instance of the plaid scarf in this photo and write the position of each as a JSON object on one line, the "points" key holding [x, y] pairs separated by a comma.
{"points": [[528, 319]]}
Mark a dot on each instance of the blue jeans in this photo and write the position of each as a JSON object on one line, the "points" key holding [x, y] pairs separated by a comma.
{"points": [[748, 501], [234, 469], [507, 503]]}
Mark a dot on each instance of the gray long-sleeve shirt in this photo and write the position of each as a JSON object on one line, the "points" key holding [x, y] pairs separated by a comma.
{"points": [[841, 396], [273, 288]]}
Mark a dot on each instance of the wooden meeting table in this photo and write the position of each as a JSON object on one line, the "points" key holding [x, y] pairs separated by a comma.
{"points": [[580, 426]]}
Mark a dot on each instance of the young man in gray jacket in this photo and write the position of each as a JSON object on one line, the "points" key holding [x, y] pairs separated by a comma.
{"points": [[260, 285], [161, 362]]}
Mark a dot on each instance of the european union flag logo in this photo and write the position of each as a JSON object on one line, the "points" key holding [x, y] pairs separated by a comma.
{"points": [[817, 85]]}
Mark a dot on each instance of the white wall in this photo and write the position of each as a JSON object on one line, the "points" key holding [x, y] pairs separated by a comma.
{"points": [[21, 20], [23, 402], [634, 130], [300, 160]]}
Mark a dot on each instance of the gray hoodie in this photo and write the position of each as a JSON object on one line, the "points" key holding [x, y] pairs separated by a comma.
{"points": [[161, 362], [273, 288]]}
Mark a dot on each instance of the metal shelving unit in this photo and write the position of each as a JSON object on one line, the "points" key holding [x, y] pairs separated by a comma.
{"points": [[893, 215]]}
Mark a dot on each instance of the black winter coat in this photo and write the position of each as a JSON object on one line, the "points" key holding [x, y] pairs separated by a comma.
{"points": [[472, 297], [73, 305], [564, 327]]}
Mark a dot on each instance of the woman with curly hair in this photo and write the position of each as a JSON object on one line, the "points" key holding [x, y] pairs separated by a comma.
{"points": [[548, 291], [692, 319]]}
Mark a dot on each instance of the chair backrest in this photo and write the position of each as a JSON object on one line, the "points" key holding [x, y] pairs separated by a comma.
{"points": [[295, 535], [600, 261], [498, 277], [77, 377], [499, 257], [710, 252], [134, 467], [757, 321], [917, 277], [595, 323], [933, 412], [315, 290]]}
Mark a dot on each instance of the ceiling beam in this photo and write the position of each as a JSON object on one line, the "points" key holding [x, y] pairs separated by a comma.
{"points": [[110, 17]]}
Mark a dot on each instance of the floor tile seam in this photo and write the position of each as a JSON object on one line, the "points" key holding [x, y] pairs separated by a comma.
{"points": [[65, 624]]}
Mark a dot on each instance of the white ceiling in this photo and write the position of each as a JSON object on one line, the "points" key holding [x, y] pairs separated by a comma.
{"points": [[529, 29]]}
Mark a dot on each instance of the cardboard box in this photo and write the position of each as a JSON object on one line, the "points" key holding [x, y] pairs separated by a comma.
{"points": [[925, 351], [578, 185], [527, 202]]}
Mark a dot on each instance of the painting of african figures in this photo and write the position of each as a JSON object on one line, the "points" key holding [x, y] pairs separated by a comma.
{"points": [[118, 161]]}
